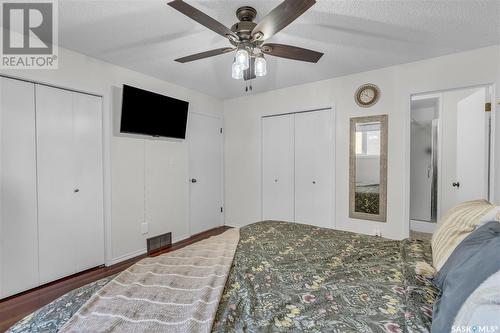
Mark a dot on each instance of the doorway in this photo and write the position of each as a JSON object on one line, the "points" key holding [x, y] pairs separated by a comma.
{"points": [[450, 153], [205, 172]]}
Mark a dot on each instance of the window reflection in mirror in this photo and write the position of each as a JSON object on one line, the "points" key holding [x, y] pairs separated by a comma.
{"points": [[367, 171]]}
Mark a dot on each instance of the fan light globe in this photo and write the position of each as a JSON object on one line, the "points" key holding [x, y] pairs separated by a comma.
{"points": [[236, 71], [242, 58], [260, 66]]}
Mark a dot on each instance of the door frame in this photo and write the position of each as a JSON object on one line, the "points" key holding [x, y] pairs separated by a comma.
{"points": [[333, 122], [491, 88], [188, 178]]}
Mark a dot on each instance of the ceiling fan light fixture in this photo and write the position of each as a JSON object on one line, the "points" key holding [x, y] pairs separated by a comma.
{"points": [[236, 71], [260, 65], [242, 58]]}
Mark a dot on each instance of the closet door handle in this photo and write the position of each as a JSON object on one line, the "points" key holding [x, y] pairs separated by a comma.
{"points": [[457, 184], [76, 190]]}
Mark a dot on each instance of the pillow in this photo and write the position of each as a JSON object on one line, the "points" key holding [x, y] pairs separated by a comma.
{"points": [[455, 225], [472, 262], [482, 307]]}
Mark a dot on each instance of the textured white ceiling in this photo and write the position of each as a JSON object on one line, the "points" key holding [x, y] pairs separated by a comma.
{"points": [[355, 35]]}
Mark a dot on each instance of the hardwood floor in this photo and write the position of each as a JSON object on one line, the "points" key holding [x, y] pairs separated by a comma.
{"points": [[16, 307]]}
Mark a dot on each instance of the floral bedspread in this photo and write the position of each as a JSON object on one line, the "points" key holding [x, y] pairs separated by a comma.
{"points": [[289, 277]]}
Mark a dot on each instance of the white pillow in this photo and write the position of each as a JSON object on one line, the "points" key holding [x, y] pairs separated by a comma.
{"points": [[482, 308]]}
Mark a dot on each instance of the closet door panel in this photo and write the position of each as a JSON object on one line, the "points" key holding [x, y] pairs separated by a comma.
{"points": [[88, 201], [277, 168], [313, 168], [18, 206], [56, 183]]}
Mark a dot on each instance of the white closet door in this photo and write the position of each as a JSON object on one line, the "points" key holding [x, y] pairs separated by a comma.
{"points": [[313, 168], [70, 197], [205, 172], [277, 168], [88, 205], [56, 183], [18, 212]]}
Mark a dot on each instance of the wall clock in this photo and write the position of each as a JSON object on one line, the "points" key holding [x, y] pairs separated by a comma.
{"points": [[367, 95]]}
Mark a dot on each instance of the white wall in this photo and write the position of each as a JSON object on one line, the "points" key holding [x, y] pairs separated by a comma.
{"points": [[398, 83], [132, 161], [368, 169], [496, 135]]}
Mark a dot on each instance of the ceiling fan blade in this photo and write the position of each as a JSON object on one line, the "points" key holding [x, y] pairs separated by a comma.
{"points": [[291, 52], [202, 18], [280, 17], [206, 54], [249, 73]]}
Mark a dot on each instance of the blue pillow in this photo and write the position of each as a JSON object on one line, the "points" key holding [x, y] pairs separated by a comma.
{"points": [[474, 260]]}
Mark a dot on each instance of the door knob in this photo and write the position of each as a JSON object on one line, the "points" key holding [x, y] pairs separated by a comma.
{"points": [[76, 190], [193, 180], [276, 180], [314, 182], [456, 184]]}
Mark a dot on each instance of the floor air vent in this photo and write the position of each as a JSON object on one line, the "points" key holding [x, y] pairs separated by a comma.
{"points": [[159, 243]]}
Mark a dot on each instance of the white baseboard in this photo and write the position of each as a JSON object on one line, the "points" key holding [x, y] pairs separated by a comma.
{"points": [[141, 252], [127, 256], [422, 226], [179, 238]]}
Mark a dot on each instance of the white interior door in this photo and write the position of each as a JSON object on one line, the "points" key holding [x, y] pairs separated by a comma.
{"points": [[88, 214], [278, 168], [205, 172], [56, 183], [313, 168], [18, 205], [472, 148]]}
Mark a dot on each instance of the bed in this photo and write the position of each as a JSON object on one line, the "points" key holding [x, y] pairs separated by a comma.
{"points": [[295, 277]]}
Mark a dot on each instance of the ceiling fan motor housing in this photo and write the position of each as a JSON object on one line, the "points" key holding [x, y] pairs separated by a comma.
{"points": [[246, 13], [244, 28]]}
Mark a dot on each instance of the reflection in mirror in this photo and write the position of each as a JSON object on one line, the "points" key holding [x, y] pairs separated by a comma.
{"points": [[368, 159]]}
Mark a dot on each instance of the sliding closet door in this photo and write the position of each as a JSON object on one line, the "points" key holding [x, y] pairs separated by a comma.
{"points": [[56, 183], [18, 215], [313, 168], [70, 205], [277, 168], [88, 201]]}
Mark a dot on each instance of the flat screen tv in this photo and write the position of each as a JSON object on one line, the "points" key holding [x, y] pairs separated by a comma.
{"points": [[148, 113]]}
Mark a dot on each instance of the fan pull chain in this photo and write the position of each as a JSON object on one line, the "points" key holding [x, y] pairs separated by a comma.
{"points": [[248, 87]]}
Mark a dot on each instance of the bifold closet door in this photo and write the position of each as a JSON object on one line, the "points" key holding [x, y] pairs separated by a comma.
{"points": [[277, 168], [69, 182], [18, 205], [88, 206], [313, 168]]}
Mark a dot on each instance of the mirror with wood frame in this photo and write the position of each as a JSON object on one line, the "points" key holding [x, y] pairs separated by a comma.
{"points": [[368, 168]]}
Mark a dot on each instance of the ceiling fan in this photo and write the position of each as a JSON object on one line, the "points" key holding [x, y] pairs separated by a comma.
{"points": [[248, 38]]}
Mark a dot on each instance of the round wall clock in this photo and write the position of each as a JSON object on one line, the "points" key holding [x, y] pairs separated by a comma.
{"points": [[367, 95]]}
